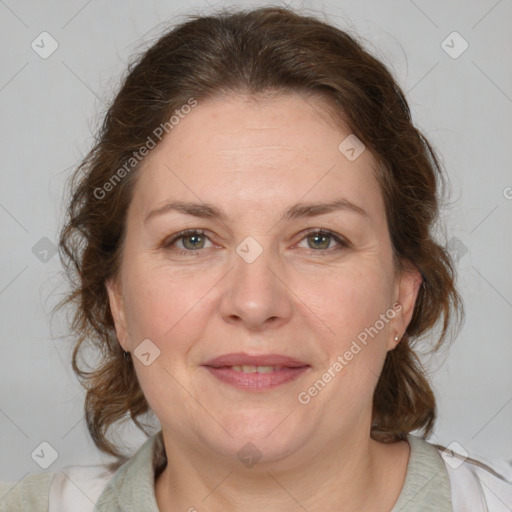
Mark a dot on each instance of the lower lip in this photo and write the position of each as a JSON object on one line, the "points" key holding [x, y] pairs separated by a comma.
{"points": [[256, 381]]}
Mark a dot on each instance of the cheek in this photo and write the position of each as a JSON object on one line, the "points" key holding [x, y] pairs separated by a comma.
{"points": [[165, 304], [356, 307], [170, 308], [349, 301]]}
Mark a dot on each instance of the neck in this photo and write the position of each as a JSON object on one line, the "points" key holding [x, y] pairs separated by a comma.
{"points": [[358, 475]]}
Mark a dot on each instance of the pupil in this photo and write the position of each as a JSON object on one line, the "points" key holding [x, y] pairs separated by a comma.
{"points": [[194, 240], [318, 239]]}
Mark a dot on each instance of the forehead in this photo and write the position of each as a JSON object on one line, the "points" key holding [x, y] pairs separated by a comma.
{"points": [[255, 156]]}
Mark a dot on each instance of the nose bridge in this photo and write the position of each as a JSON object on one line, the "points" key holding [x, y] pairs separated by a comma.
{"points": [[254, 292]]}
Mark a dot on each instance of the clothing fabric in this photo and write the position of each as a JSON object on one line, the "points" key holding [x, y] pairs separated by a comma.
{"points": [[435, 481]]}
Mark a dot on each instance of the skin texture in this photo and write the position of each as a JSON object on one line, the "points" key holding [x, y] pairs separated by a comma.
{"points": [[301, 298]]}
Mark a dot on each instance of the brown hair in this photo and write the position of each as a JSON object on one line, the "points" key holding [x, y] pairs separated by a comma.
{"points": [[258, 52]]}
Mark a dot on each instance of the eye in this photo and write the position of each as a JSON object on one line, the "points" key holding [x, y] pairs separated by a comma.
{"points": [[191, 240], [318, 239]]}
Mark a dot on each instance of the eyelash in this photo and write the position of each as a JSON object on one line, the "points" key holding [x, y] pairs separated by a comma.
{"points": [[167, 244]]}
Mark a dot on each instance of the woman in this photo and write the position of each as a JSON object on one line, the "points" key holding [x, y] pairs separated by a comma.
{"points": [[250, 245]]}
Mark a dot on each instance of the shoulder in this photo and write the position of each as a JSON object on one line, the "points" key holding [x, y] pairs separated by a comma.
{"points": [[28, 494], [449, 479], [478, 484], [73, 488], [78, 488], [89, 488]]}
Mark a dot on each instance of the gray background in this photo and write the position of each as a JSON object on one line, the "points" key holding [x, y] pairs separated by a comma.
{"points": [[50, 107]]}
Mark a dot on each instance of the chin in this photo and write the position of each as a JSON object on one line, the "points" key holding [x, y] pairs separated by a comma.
{"points": [[266, 437]]}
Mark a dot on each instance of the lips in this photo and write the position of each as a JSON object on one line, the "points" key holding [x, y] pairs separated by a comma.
{"points": [[255, 373], [242, 359]]}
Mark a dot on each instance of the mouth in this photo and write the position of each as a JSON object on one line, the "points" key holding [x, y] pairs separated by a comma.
{"points": [[256, 373]]}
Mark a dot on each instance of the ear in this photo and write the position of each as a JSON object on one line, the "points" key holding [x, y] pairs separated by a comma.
{"points": [[118, 312], [408, 287]]}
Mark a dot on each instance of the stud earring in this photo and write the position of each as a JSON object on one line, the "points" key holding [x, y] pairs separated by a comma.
{"points": [[396, 337]]}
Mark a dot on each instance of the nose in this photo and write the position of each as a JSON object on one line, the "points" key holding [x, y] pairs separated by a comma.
{"points": [[255, 292]]}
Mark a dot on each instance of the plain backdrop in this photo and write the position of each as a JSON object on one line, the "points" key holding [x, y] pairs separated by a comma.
{"points": [[50, 107]]}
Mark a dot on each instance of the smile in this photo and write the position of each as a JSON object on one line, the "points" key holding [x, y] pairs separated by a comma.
{"points": [[256, 378]]}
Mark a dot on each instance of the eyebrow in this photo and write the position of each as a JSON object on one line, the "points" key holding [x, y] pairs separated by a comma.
{"points": [[296, 211]]}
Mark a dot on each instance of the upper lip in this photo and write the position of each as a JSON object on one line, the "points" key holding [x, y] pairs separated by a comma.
{"points": [[242, 359]]}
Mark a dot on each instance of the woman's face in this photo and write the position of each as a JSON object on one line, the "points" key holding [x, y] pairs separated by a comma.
{"points": [[314, 309]]}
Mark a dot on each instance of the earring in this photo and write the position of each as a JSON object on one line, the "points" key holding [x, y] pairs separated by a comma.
{"points": [[396, 337]]}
